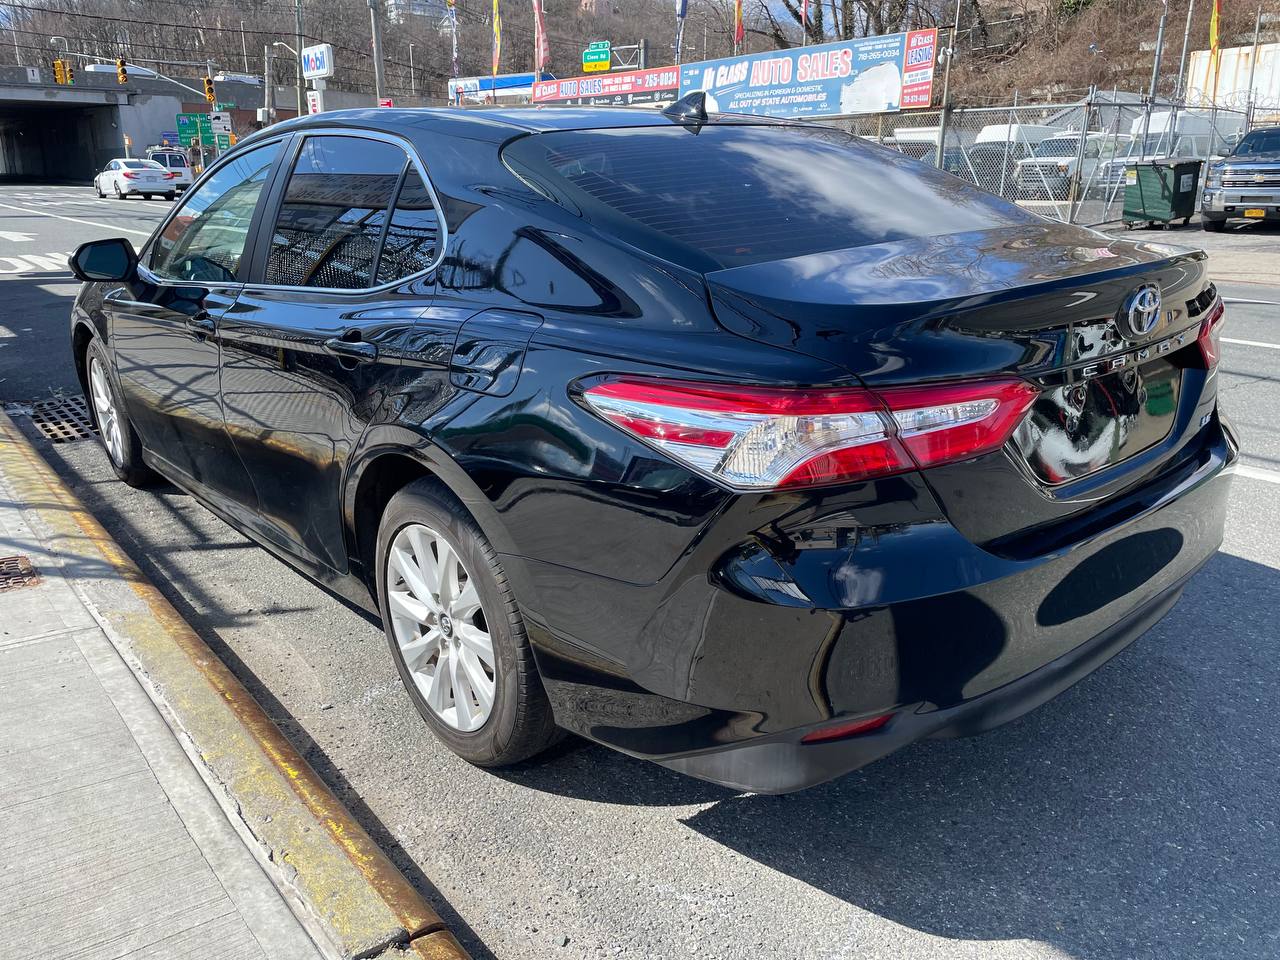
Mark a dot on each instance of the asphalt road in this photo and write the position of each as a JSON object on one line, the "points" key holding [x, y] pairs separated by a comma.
{"points": [[1133, 817]]}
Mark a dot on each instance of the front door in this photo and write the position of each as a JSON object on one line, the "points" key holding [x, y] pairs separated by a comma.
{"points": [[311, 352], [165, 327]]}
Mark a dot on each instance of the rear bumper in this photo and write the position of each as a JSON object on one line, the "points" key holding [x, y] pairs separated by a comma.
{"points": [[840, 608], [785, 764]]}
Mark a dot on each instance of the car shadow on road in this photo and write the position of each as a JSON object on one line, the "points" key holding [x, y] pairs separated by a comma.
{"points": [[1134, 816]]}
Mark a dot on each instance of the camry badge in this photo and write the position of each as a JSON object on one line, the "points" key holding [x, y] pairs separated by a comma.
{"points": [[1141, 309]]}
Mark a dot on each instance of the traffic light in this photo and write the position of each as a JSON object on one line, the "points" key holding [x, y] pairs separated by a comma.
{"points": [[59, 72], [122, 75], [208, 90], [231, 138], [68, 72]]}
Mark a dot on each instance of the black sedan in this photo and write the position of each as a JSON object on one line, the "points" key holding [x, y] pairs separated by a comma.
{"points": [[750, 448]]}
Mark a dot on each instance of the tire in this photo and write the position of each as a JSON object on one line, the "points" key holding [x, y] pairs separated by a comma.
{"points": [[116, 188], [423, 519], [171, 196], [1213, 226], [97, 188], [146, 196], [119, 440]]}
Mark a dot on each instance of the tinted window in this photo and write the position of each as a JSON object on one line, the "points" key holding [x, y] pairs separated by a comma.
{"points": [[738, 193], [413, 236], [335, 206], [1259, 141], [206, 238]]}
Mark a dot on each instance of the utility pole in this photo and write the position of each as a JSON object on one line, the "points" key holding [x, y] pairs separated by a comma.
{"points": [[1253, 66], [413, 76], [642, 53], [213, 105], [268, 89], [244, 48], [297, 26], [946, 89], [1155, 66], [1180, 93], [379, 82]]}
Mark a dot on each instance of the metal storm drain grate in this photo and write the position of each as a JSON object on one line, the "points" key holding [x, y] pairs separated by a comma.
{"points": [[17, 572], [63, 419]]}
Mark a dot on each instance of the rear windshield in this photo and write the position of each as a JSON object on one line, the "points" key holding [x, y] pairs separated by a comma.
{"points": [[724, 195], [139, 164]]}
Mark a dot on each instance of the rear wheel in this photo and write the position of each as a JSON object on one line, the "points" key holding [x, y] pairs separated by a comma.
{"points": [[171, 196], [147, 196], [456, 633], [119, 439]]}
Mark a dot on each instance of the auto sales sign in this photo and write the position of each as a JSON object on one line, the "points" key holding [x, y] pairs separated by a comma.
{"points": [[870, 75]]}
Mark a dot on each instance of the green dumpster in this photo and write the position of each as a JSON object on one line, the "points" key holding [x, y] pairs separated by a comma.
{"points": [[1158, 191]]}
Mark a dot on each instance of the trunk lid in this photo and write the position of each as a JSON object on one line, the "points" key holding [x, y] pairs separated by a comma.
{"points": [[1045, 302]]}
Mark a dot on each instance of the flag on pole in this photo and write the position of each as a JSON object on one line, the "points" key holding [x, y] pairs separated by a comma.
{"points": [[541, 55], [497, 47], [682, 9], [453, 29], [1215, 47], [738, 30]]}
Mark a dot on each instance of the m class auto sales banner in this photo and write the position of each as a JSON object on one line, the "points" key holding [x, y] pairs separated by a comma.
{"points": [[870, 75]]}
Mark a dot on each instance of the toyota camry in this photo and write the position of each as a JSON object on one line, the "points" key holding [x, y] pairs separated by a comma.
{"points": [[747, 447]]}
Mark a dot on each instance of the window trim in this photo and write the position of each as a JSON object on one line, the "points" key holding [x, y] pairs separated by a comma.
{"points": [[269, 215], [153, 278]]}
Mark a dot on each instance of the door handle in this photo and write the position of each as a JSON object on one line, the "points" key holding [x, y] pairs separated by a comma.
{"points": [[201, 324], [357, 350]]}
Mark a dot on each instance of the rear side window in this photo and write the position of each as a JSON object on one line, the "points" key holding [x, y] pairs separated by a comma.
{"points": [[330, 225], [413, 236], [729, 194]]}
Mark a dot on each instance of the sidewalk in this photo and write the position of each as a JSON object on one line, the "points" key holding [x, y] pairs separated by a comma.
{"points": [[148, 807], [112, 844]]}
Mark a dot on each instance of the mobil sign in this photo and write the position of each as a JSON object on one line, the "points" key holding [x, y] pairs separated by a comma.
{"points": [[869, 75], [317, 61]]}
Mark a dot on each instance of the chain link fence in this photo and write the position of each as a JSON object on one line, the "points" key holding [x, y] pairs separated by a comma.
{"points": [[1065, 161]]}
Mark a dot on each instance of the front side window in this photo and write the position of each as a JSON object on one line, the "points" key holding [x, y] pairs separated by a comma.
{"points": [[205, 240], [334, 211]]}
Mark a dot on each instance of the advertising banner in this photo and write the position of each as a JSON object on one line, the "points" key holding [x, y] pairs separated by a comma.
{"points": [[611, 89], [869, 75]]}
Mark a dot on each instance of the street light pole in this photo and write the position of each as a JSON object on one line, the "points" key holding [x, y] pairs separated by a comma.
{"points": [[413, 78], [1155, 66], [244, 48], [379, 82], [1180, 93], [297, 25]]}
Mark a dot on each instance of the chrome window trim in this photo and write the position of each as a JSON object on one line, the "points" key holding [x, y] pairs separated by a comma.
{"points": [[412, 153], [144, 269]]}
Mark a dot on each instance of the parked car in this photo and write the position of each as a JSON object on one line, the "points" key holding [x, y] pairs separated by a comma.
{"points": [[653, 437], [1245, 184], [125, 177], [176, 162], [1052, 167]]}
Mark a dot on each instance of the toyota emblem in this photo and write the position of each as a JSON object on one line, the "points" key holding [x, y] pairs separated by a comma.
{"points": [[1141, 310]]}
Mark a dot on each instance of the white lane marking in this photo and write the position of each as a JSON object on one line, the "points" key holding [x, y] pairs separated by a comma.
{"points": [[1258, 473], [16, 237], [5, 332], [1252, 343], [35, 263], [1265, 303], [88, 223]]}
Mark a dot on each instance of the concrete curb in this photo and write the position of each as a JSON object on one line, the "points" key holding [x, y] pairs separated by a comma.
{"points": [[317, 851]]}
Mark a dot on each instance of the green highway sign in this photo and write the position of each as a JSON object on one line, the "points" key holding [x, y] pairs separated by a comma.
{"points": [[225, 106], [224, 141], [194, 127], [597, 57]]}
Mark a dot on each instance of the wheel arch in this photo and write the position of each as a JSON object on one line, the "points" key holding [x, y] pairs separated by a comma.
{"points": [[389, 458]]}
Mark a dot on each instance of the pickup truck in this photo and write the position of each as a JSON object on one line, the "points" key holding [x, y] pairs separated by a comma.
{"points": [[1245, 184]]}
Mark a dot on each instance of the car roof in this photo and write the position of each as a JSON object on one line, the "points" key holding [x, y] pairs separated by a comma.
{"points": [[492, 123]]}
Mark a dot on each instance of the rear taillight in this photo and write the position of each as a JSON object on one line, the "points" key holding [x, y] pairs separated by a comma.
{"points": [[1209, 340], [171, 176], [848, 728], [766, 438], [131, 176]]}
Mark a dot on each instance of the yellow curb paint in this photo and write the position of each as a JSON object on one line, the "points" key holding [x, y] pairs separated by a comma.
{"points": [[364, 902]]}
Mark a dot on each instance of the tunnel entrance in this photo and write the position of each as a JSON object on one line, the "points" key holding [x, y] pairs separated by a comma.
{"points": [[57, 142]]}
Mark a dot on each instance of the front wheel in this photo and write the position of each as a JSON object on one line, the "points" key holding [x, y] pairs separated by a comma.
{"points": [[116, 187], [1213, 226], [119, 439], [456, 633]]}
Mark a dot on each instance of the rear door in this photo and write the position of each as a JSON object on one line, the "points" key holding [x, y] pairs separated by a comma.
{"points": [[312, 348]]}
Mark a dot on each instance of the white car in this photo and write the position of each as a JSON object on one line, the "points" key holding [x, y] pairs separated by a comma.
{"points": [[145, 178], [176, 162]]}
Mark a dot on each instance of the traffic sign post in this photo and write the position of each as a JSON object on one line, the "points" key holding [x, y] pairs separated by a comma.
{"points": [[597, 57]]}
